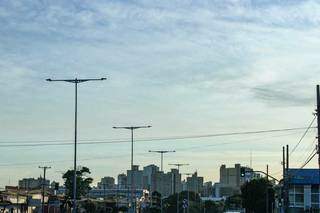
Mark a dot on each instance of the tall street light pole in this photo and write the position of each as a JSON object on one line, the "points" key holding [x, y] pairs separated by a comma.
{"points": [[178, 165], [161, 152], [75, 81], [131, 128]]}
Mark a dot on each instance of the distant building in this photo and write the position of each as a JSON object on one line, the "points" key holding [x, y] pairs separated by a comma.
{"points": [[122, 181], [106, 183], [231, 180], [148, 176], [137, 175], [162, 183], [195, 183], [32, 183], [207, 189], [176, 181]]}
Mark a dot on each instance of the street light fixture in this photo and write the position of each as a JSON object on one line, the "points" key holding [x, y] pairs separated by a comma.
{"points": [[161, 152], [131, 128], [75, 81]]}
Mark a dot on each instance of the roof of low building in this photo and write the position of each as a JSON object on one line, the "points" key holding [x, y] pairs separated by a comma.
{"points": [[304, 176]]}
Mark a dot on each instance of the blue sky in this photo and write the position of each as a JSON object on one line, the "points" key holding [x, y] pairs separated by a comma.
{"points": [[185, 67]]}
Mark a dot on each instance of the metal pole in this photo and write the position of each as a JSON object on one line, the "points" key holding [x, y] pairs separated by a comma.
{"points": [[267, 193], [132, 182], [75, 148], [318, 124], [188, 200], [287, 179], [284, 178], [75, 81], [162, 161]]}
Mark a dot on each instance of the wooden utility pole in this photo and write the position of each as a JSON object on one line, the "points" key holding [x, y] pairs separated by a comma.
{"points": [[43, 183]]}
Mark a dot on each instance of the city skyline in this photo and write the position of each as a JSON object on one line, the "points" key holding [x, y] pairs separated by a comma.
{"points": [[186, 68]]}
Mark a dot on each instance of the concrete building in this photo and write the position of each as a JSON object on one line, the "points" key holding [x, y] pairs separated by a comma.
{"points": [[106, 183], [32, 183], [122, 181], [137, 175], [207, 189], [162, 183], [176, 181], [231, 180], [148, 176], [195, 183]]}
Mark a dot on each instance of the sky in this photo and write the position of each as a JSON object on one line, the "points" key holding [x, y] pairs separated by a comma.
{"points": [[185, 67]]}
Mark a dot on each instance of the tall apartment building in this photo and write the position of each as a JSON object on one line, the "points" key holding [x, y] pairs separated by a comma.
{"points": [[231, 181], [137, 178], [149, 176], [195, 183], [122, 181], [106, 183]]}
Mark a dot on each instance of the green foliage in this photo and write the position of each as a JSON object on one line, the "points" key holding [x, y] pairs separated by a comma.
{"points": [[213, 207], [83, 182], [89, 206], [234, 202], [170, 203], [254, 193]]}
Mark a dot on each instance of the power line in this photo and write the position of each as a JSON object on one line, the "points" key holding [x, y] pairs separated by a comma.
{"points": [[90, 142], [310, 157], [303, 135], [143, 153]]}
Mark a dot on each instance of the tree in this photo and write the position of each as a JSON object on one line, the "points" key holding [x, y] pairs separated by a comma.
{"points": [[89, 206], [254, 197], [156, 202], [234, 202], [170, 203], [213, 207], [83, 182]]}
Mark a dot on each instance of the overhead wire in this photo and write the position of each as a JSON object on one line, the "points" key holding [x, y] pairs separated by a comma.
{"points": [[303, 135], [91, 142], [310, 157]]}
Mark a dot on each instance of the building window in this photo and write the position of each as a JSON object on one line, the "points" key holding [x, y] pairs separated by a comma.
{"points": [[299, 189], [299, 199], [315, 189], [314, 198]]}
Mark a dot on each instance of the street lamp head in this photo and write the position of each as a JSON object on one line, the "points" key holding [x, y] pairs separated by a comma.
{"points": [[149, 126], [48, 79], [102, 79]]}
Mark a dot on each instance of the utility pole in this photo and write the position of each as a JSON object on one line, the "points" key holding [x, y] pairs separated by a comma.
{"points": [[161, 152], [75, 82], [318, 126], [287, 180], [178, 165], [43, 183], [267, 193], [131, 128], [284, 180]]}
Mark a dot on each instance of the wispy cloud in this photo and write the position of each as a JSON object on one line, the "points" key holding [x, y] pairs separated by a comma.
{"points": [[177, 64]]}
